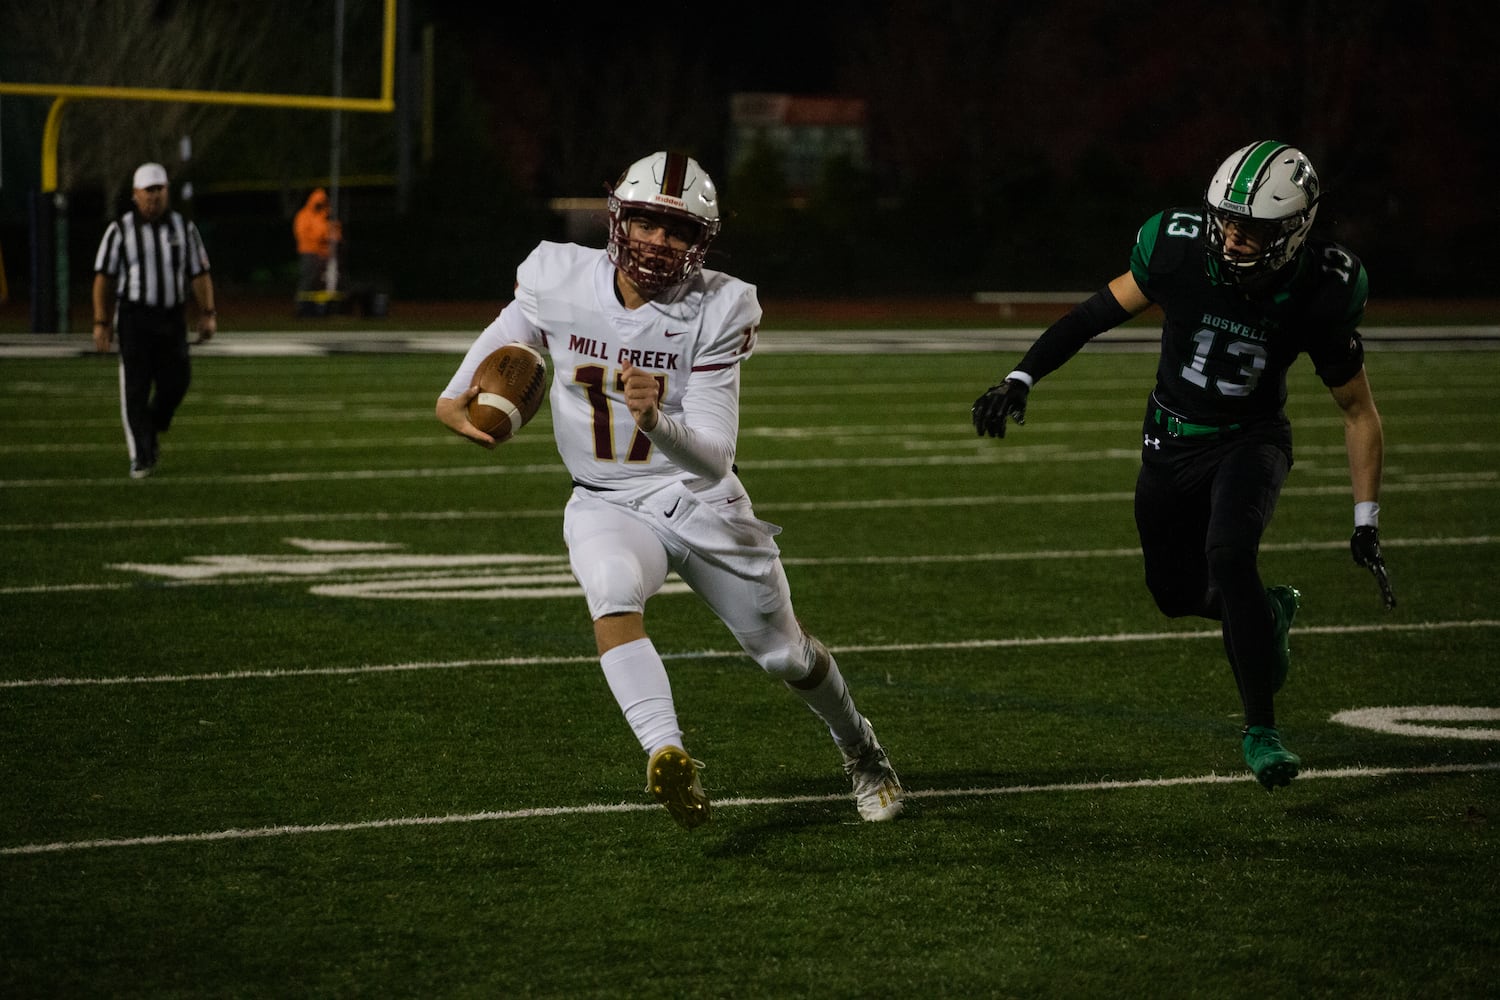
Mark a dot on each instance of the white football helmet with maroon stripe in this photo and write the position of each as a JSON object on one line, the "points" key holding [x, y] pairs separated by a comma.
{"points": [[1270, 190], [674, 188]]}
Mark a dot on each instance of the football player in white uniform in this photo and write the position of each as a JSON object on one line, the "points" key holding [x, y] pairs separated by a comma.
{"points": [[645, 347]]}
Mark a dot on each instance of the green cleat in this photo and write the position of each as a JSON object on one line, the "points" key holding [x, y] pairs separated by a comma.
{"points": [[1284, 602], [672, 780], [1272, 763]]}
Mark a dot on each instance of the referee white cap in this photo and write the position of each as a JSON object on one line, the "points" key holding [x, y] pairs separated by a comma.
{"points": [[150, 175]]}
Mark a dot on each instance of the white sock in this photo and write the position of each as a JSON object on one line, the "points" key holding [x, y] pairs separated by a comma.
{"points": [[830, 701], [638, 679]]}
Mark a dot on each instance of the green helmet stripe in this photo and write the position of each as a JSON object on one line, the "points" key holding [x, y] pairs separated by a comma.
{"points": [[1242, 187]]}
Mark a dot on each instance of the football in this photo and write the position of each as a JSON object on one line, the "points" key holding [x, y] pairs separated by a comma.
{"points": [[512, 382]]}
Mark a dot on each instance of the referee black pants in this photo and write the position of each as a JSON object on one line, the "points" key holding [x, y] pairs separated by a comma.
{"points": [[154, 375]]}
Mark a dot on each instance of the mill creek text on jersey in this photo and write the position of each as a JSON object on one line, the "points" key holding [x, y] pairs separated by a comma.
{"points": [[654, 360]]}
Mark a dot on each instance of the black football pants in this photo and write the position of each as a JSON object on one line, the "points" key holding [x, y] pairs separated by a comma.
{"points": [[1200, 514]]}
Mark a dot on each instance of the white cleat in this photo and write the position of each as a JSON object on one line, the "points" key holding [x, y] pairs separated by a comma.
{"points": [[877, 790]]}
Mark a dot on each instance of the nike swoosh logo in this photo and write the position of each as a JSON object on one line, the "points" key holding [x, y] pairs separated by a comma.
{"points": [[674, 507], [676, 333], [735, 499]]}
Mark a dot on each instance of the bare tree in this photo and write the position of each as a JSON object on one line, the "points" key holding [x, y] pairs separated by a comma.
{"points": [[274, 46]]}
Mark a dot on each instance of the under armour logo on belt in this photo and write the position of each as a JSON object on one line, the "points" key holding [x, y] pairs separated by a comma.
{"points": [[1152, 442]]}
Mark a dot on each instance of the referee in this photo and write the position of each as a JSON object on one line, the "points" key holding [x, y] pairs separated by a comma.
{"points": [[148, 261]]}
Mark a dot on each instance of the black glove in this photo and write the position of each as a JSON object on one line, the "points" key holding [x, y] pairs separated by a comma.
{"points": [[1364, 544], [1008, 399]]}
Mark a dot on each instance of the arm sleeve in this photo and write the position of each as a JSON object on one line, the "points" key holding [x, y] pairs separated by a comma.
{"points": [[701, 437], [702, 440], [510, 327], [1065, 338]]}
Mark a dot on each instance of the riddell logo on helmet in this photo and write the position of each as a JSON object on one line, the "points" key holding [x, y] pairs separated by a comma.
{"points": [[669, 201]]}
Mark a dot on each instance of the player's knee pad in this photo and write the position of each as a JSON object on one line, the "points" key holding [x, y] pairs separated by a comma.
{"points": [[612, 584], [785, 663], [1231, 565], [797, 661], [1175, 596], [1176, 602]]}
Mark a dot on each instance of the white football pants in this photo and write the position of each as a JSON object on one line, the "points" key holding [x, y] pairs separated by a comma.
{"points": [[621, 556]]}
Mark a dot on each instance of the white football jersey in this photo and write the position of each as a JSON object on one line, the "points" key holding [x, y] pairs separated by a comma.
{"points": [[693, 338]]}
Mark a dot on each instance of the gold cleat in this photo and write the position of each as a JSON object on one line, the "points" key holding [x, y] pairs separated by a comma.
{"points": [[672, 780]]}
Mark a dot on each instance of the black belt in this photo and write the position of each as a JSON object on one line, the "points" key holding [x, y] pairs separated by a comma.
{"points": [[157, 312]]}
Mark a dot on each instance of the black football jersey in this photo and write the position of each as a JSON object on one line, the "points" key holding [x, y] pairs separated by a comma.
{"points": [[1225, 350]]}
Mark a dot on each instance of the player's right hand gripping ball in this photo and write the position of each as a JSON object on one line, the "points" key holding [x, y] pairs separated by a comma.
{"points": [[512, 382]]}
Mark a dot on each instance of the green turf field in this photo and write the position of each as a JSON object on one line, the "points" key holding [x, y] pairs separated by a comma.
{"points": [[314, 712]]}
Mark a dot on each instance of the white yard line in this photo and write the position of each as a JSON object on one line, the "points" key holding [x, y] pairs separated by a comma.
{"points": [[1425, 484], [543, 812], [324, 571], [975, 452], [719, 654]]}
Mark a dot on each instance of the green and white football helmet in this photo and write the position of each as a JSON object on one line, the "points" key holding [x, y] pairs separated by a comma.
{"points": [[1269, 190]]}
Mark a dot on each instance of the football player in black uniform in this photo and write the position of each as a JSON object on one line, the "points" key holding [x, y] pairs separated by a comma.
{"points": [[1244, 291]]}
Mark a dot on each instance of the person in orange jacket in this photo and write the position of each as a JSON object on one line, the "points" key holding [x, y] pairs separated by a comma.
{"points": [[316, 235]]}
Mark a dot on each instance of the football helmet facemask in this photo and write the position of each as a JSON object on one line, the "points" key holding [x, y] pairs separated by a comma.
{"points": [[1269, 190], [675, 191]]}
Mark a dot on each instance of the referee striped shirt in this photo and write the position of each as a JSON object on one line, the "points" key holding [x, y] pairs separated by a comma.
{"points": [[153, 263]]}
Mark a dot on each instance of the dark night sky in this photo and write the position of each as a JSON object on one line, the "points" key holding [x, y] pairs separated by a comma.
{"points": [[777, 46], [1036, 125]]}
